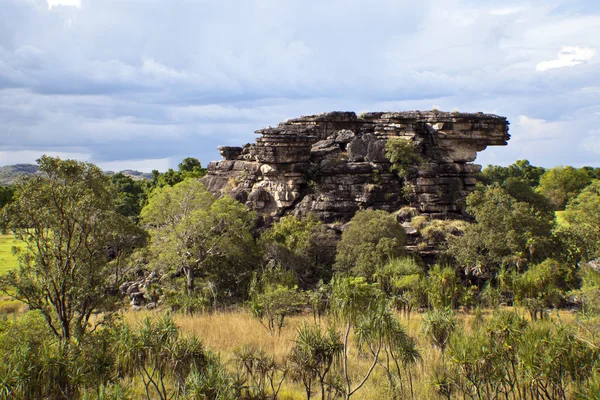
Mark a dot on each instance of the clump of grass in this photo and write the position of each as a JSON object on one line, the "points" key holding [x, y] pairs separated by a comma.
{"points": [[438, 230], [419, 222]]}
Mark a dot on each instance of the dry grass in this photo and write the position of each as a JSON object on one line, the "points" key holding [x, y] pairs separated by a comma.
{"points": [[226, 331]]}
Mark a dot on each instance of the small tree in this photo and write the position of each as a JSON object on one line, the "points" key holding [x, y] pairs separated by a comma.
{"points": [[313, 356], [372, 239], [352, 301], [274, 296], [439, 326], [561, 184], [66, 219], [302, 245], [403, 154]]}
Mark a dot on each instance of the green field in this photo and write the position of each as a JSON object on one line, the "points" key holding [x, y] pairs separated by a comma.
{"points": [[7, 260]]}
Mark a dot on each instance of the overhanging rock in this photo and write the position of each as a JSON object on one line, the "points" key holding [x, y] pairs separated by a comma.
{"points": [[334, 164]]}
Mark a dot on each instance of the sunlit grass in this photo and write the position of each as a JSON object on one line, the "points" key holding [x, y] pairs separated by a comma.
{"points": [[8, 261]]}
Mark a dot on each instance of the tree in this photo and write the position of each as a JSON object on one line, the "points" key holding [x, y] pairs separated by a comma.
{"points": [[314, 354], [520, 169], [66, 218], [199, 235], [542, 286], [190, 164], [130, 195], [404, 154], [507, 233], [561, 184], [274, 296], [371, 240], [353, 303], [581, 234], [302, 245], [520, 190], [6, 195]]}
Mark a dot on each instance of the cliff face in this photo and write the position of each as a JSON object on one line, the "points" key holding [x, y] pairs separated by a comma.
{"points": [[334, 164]]}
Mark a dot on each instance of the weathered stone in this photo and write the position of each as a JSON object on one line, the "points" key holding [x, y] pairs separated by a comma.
{"points": [[334, 164], [229, 152]]}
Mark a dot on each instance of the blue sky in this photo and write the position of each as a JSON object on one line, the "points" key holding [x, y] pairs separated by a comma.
{"points": [[144, 83]]}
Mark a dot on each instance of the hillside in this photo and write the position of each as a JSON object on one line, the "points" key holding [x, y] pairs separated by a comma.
{"points": [[9, 174]]}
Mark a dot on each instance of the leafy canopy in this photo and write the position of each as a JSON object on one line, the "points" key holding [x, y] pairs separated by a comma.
{"points": [[202, 236], [371, 240], [66, 218]]}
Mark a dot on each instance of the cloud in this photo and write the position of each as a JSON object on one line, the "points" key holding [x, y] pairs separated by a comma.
{"points": [[55, 3], [127, 80], [569, 56]]}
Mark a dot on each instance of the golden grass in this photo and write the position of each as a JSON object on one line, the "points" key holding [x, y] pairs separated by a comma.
{"points": [[224, 332]]}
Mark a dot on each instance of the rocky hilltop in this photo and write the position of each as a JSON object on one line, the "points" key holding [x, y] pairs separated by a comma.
{"points": [[334, 164]]}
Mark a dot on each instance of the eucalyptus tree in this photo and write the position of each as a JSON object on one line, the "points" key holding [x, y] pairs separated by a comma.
{"points": [[65, 216], [199, 235]]}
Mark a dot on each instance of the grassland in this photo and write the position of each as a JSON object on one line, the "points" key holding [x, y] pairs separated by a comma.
{"points": [[224, 332], [7, 259]]}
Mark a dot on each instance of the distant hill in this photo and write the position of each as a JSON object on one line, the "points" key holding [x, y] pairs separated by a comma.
{"points": [[11, 173]]}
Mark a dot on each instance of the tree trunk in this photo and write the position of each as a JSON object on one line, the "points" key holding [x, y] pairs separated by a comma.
{"points": [[189, 275]]}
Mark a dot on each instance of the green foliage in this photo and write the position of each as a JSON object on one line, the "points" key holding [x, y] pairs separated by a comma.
{"points": [[589, 293], [314, 355], [201, 236], [561, 184], [402, 279], [543, 286], [438, 230], [66, 220], [443, 290], [403, 154], [507, 233], [190, 164], [580, 233], [157, 352], [262, 373], [521, 191], [131, 195], [354, 303], [371, 240], [302, 245], [274, 296], [189, 168], [37, 366], [439, 326], [6, 195], [521, 170]]}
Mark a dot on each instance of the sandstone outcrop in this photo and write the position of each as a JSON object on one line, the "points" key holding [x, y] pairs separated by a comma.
{"points": [[334, 164]]}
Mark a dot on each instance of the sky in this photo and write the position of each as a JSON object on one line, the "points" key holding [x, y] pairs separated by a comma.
{"points": [[142, 84]]}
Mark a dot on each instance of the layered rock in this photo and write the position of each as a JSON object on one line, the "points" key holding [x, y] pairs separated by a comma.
{"points": [[334, 164]]}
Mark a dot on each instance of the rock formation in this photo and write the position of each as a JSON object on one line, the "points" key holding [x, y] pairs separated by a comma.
{"points": [[334, 164]]}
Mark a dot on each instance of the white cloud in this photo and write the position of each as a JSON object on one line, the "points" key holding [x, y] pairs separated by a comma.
{"points": [[569, 56], [29, 156], [55, 3], [157, 79]]}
